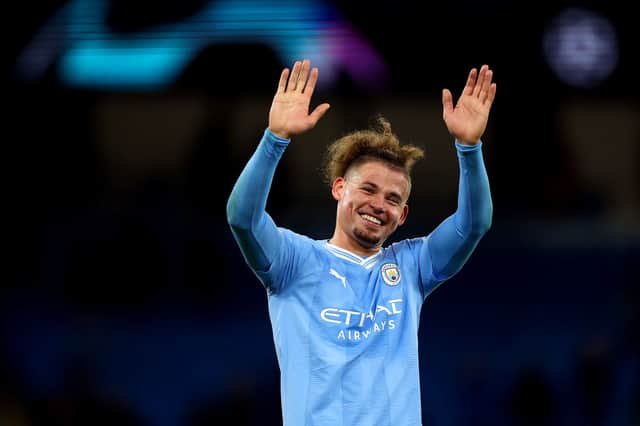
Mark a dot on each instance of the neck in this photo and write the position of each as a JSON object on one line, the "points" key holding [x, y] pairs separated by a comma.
{"points": [[349, 244]]}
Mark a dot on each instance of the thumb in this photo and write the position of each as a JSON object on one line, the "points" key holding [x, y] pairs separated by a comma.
{"points": [[318, 112], [447, 103]]}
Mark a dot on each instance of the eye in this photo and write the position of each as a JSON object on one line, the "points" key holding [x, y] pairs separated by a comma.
{"points": [[367, 189], [393, 201]]}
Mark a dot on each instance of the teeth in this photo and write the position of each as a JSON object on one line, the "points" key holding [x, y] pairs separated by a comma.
{"points": [[372, 219]]}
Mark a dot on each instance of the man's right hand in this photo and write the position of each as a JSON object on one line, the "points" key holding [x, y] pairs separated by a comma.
{"points": [[289, 114]]}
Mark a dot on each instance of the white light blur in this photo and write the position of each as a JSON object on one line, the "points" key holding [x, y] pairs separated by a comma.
{"points": [[581, 47]]}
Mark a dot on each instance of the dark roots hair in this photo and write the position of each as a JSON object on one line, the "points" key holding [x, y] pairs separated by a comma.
{"points": [[378, 144]]}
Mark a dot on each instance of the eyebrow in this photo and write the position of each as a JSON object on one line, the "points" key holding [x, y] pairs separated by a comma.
{"points": [[392, 193]]}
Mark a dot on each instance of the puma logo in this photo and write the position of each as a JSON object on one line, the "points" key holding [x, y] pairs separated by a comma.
{"points": [[342, 279]]}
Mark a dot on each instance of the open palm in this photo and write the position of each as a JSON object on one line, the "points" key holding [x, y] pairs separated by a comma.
{"points": [[289, 114], [467, 121]]}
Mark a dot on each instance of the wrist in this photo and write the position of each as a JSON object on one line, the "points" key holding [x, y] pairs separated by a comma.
{"points": [[467, 143], [464, 146], [279, 133], [276, 137]]}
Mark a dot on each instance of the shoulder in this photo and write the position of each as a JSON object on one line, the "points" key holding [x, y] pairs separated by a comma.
{"points": [[297, 240], [294, 236], [409, 245], [407, 251]]}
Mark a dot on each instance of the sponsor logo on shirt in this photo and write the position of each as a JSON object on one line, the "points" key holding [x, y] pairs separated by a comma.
{"points": [[362, 325], [390, 274]]}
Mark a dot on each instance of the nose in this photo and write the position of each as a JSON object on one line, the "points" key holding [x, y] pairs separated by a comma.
{"points": [[377, 203]]}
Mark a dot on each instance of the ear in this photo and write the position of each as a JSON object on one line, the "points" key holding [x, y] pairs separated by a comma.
{"points": [[338, 188], [403, 216]]}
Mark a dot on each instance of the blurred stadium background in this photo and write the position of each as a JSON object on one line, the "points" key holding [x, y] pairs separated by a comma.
{"points": [[125, 300]]}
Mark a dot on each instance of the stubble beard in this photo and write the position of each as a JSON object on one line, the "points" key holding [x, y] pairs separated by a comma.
{"points": [[366, 240]]}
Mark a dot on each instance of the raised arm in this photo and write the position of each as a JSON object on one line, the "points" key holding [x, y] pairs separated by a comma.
{"points": [[254, 230], [453, 241]]}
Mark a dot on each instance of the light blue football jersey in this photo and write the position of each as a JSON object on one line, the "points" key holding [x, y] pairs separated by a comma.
{"points": [[346, 332]]}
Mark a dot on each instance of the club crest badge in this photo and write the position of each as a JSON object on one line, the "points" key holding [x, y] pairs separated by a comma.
{"points": [[390, 274]]}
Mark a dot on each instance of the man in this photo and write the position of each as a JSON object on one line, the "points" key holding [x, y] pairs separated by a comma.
{"points": [[345, 311]]}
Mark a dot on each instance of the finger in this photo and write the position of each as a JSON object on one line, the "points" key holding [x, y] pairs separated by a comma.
{"points": [[471, 81], [311, 84], [492, 94], [318, 112], [282, 84], [486, 84], [293, 79], [480, 80], [447, 102], [304, 72]]}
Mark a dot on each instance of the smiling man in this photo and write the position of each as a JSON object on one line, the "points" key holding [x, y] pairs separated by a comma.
{"points": [[345, 311]]}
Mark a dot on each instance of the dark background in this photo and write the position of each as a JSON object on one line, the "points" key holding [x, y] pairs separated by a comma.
{"points": [[126, 301]]}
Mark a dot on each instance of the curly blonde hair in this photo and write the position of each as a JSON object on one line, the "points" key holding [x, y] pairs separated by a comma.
{"points": [[379, 143]]}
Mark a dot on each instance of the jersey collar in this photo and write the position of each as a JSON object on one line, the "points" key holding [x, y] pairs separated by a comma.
{"points": [[366, 262]]}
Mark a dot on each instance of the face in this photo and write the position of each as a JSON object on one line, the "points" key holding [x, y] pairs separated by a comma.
{"points": [[372, 203]]}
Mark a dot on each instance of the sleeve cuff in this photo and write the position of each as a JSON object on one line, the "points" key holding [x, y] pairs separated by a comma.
{"points": [[275, 139], [468, 148]]}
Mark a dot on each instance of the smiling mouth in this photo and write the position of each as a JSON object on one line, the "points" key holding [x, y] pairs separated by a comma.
{"points": [[371, 219]]}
